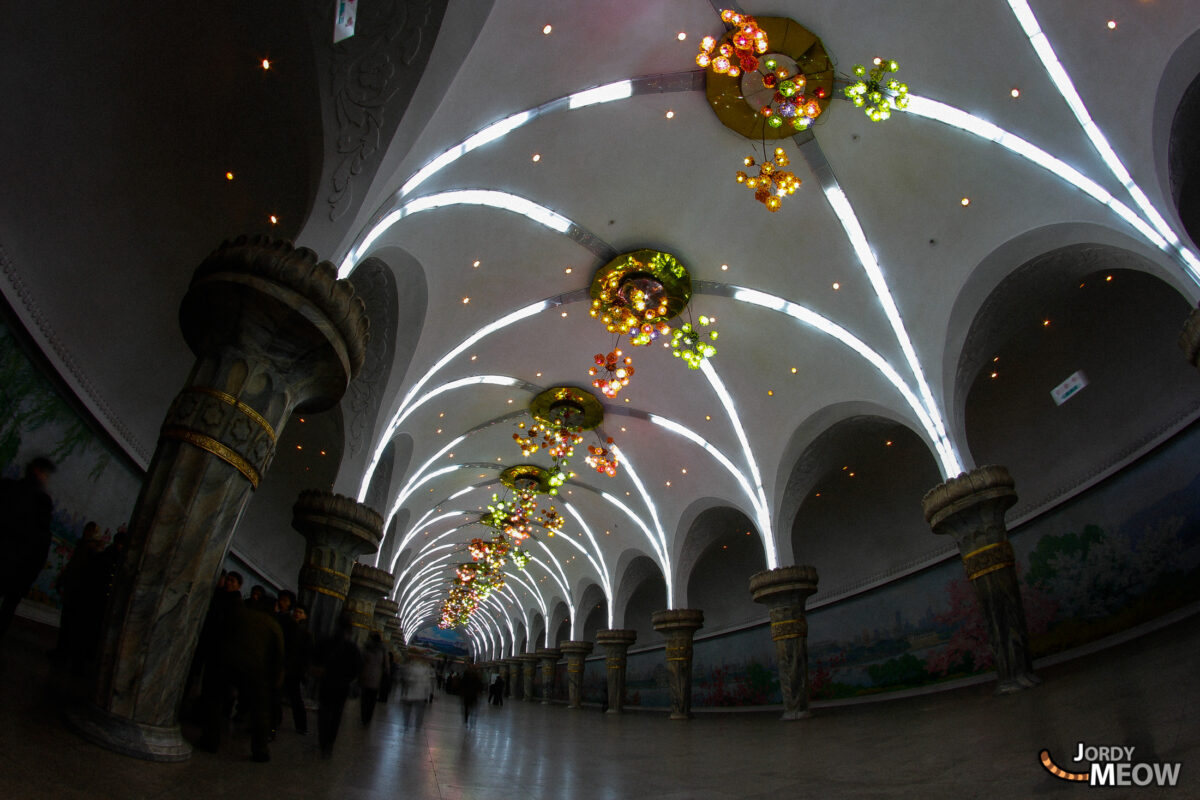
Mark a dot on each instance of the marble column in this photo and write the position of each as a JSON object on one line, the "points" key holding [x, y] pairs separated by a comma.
{"points": [[678, 626], [528, 663], [512, 672], [336, 530], [616, 644], [549, 657], [971, 509], [576, 652], [784, 591], [395, 636], [368, 585], [1189, 338], [273, 331], [385, 612]]}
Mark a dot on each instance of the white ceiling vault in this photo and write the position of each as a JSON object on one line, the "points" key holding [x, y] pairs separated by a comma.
{"points": [[528, 176]]}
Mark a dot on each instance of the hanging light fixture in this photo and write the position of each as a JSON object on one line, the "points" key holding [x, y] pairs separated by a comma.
{"points": [[876, 93]]}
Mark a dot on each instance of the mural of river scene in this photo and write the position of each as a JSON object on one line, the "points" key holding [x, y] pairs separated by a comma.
{"points": [[92, 482], [1123, 553], [450, 642]]}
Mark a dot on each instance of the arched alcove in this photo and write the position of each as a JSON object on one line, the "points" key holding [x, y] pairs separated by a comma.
{"points": [[641, 591], [537, 633], [560, 623], [591, 613], [859, 486], [1055, 317], [721, 550]]}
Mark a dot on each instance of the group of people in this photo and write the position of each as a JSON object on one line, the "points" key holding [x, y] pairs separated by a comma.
{"points": [[257, 652]]}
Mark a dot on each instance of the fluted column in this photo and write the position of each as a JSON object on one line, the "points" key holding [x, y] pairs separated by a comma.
{"points": [[576, 652], [273, 332], [1189, 338], [385, 612], [971, 509], [678, 626], [368, 585], [395, 636], [528, 663], [336, 529], [512, 673], [616, 644], [549, 657], [784, 591]]}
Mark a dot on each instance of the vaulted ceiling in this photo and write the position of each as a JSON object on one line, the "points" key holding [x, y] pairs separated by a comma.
{"points": [[856, 298]]}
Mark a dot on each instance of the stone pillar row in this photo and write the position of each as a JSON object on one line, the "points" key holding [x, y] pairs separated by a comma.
{"points": [[336, 530], [512, 674], [528, 663], [274, 331], [368, 585], [549, 657], [616, 644], [784, 592], [385, 612]]}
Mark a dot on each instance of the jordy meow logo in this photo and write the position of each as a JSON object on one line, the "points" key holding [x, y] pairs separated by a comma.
{"points": [[1113, 766]]}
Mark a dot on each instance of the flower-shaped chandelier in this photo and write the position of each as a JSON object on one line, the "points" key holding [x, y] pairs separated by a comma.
{"points": [[740, 53], [876, 93], [770, 186]]}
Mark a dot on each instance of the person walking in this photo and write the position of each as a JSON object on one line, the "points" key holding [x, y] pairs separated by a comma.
{"points": [[212, 657], [374, 663], [496, 691], [418, 689], [339, 662], [298, 654], [256, 658], [82, 587], [469, 686], [25, 510]]}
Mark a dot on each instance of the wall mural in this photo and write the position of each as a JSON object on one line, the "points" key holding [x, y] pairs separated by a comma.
{"points": [[93, 482], [450, 642], [1123, 553]]}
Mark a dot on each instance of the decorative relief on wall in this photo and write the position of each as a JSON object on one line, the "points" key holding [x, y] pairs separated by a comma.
{"points": [[374, 283], [372, 77]]}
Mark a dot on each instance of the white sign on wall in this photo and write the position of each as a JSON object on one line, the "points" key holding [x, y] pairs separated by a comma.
{"points": [[343, 23], [1068, 388]]}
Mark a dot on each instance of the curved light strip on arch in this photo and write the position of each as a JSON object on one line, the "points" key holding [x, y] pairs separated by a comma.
{"points": [[553, 575], [531, 587], [1066, 88], [957, 118], [413, 532], [601, 571], [617, 90], [602, 567], [419, 478]]}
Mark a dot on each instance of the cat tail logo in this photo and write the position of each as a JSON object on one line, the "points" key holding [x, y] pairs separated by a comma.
{"points": [[1115, 773]]}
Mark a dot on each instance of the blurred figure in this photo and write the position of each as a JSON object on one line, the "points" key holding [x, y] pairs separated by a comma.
{"points": [[374, 663], [496, 691], [283, 617], [298, 652], [83, 586], [469, 686], [257, 592], [339, 662], [418, 688], [385, 681], [255, 661], [212, 654], [25, 509]]}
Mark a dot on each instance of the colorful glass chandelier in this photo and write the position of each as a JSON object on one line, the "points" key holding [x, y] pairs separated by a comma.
{"points": [[782, 93], [603, 458], [740, 53], [876, 93], [611, 372], [691, 345], [771, 184]]}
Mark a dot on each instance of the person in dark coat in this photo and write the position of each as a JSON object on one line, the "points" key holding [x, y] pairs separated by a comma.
{"points": [[212, 654], [496, 691], [339, 663], [298, 649], [83, 586], [385, 682], [255, 660], [283, 616], [25, 509], [374, 664], [469, 686]]}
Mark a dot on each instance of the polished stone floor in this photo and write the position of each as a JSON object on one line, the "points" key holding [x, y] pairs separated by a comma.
{"points": [[958, 744]]}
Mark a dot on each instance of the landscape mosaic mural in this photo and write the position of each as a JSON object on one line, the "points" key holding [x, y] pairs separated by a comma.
{"points": [[1123, 553]]}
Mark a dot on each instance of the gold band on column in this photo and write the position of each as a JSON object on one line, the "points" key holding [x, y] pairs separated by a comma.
{"points": [[238, 404], [211, 445], [988, 559]]}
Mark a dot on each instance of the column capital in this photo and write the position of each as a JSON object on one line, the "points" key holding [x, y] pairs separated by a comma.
{"points": [[385, 612], [334, 520], [619, 636], [575, 648], [547, 653], [528, 658], [971, 507], [677, 619], [784, 584], [370, 582], [1189, 338]]}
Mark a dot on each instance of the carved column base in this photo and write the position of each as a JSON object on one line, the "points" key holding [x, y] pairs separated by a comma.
{"points": [[971, 509], [616, 644], [678, 626], [512, 674], [784, 592], [385, 613], [368, 585], [149, 742], [548, 656], [576, 652]]}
